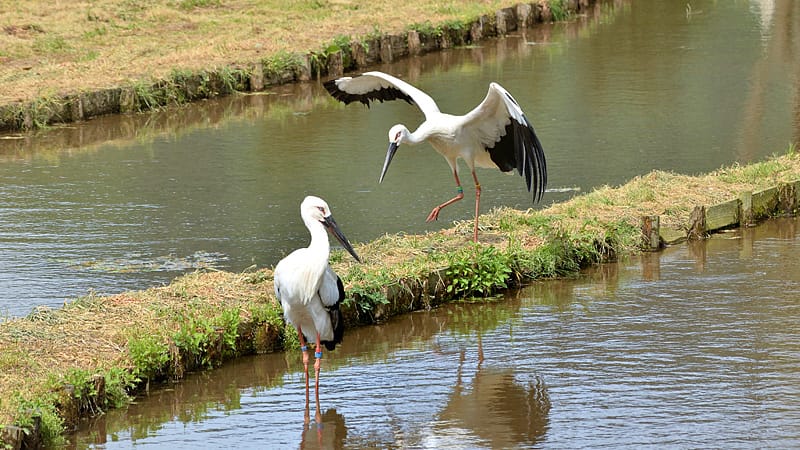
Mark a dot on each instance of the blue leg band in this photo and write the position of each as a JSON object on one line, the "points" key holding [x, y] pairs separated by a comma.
{"points": [[304, 348], [318, 355]]}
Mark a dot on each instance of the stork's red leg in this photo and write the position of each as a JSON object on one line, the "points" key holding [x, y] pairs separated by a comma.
{"points": [[480, 350], [477, 205], [317, 365], [304, 348], [434, 215]]}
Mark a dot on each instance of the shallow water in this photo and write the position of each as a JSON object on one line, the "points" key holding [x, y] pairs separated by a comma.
{"points": [[694, 347], [129, 202]]}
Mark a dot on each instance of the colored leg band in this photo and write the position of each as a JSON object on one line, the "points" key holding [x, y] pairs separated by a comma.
{"points": [[460, 190], [317, 355], [304, 348]]}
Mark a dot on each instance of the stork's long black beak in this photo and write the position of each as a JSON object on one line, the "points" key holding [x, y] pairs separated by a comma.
{"points": [[389, 155], [331, 225]]}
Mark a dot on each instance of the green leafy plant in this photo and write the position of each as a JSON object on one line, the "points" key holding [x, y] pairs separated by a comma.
{"points": [[228, 321], [232, 78], [146, 96], [477, 270], [368, 299], [290, 338], [118, 383], [41, 110], [193, 337], [340, 42], [559, 10], [427, 28], [319, 60], [368, 288], [280, 62], [150, 355], [51, 426], [83, 390], [266, 313], [373, 35]]}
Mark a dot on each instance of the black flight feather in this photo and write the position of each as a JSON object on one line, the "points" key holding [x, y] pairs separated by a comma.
{"points": [[382, 95], [519, 148], [337, 323]]}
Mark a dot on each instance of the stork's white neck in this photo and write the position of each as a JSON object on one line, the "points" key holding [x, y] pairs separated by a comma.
{"points": [[419, 135], [319, 239]]}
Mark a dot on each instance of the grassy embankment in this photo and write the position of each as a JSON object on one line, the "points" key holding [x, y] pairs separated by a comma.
{"points": [[66, 61], [90, 355], [56, 366]]}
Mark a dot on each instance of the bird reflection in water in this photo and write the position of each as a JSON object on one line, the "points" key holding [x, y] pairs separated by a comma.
{"points": [[329, 431], [496, 407]]}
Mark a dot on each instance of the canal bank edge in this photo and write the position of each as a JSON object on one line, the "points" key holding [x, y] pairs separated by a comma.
{"points": [[32, 426], [186, 86], [101, 349], [256, 328]]}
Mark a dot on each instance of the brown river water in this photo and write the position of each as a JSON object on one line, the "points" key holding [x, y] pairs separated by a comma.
{"points": [[697, 346]]}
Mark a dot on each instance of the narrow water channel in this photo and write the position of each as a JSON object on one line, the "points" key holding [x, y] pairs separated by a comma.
{"points": [[122, 203], [694, 347]]}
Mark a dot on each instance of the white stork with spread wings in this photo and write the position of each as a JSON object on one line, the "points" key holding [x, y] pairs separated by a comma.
{"points": [[496, 134]]}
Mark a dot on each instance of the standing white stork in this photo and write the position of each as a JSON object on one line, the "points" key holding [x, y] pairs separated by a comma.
{"points": [[494, 134], [309, 290]]}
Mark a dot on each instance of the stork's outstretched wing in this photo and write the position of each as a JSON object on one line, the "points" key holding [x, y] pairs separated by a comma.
{"points": [[371, 86], [509, 137]]}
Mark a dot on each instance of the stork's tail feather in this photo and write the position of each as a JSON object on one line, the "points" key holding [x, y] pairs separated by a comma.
{"points": [[338, 327], [337, 322]]}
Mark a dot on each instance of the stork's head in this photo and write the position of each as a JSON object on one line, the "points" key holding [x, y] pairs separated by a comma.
{"points": [[396, 136], [315, 209], [397, 133]]}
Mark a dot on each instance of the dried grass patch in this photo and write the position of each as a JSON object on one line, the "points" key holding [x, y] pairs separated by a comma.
{"points": [[73, 46], [673, 196], [92, 332], [67, 47]]}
